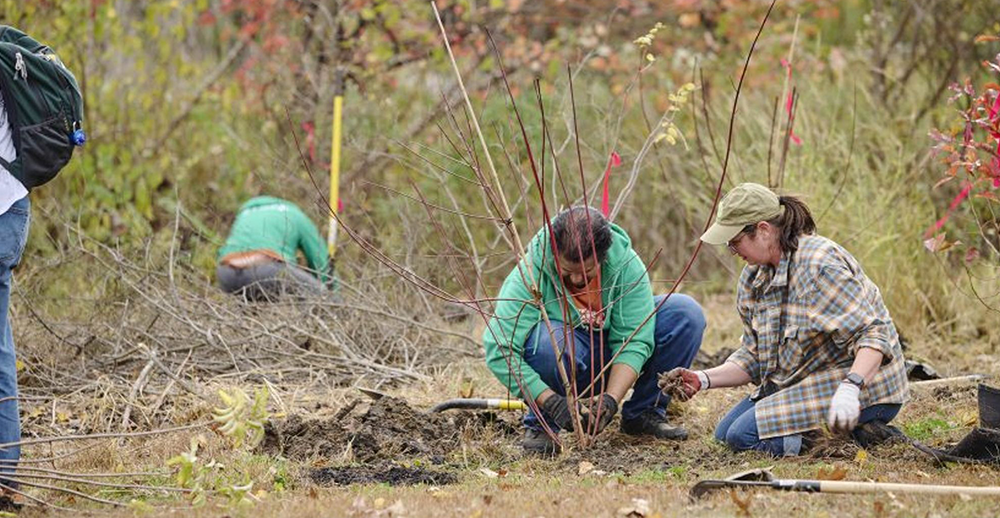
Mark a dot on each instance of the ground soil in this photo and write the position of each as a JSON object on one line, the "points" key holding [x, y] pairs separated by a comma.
{"points": [[382, 474], [385, 429]]}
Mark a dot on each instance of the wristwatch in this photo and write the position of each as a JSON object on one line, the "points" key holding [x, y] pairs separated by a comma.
{"points": [[855, 379]]}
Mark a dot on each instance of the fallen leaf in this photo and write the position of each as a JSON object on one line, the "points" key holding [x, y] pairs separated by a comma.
{"points": [[466, 388], [396, 509], [861, 458], [584, 468], [638, 509], [834, 473], [743, 504]]}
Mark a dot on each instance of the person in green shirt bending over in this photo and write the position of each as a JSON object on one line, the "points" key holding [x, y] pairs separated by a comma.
{"points": [[604, 325], [259, 260]]}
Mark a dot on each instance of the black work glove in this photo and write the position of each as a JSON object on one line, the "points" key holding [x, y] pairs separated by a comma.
{"points": [[556, 411], [598, 416]]}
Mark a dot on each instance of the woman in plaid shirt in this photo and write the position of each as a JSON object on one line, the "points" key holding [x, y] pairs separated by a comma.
{"points": [[817, 340]]}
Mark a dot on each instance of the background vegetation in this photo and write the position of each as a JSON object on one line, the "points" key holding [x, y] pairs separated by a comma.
{"points": [[195, 103], [193, 106]]}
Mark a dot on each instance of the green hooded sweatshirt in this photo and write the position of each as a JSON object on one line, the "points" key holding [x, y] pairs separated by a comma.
{"points": [[270, 223], [626, 296]]}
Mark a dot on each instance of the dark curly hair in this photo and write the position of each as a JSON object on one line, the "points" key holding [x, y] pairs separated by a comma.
{"points": [[580, 233]]}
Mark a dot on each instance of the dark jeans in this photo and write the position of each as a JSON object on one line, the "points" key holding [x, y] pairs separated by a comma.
{"points": [[268, 281], [677, 337], [738, 429], [13, 235]]}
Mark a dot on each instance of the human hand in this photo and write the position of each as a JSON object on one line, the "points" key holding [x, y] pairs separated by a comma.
{"points": [[844, 408], [598, 416], [682, 383], [556, 411]]}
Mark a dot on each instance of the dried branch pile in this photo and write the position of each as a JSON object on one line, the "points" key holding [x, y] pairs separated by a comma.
{"points": [[156, 334]]}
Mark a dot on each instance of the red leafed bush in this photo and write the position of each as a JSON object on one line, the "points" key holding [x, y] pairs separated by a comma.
{"points": [[970, 149]]}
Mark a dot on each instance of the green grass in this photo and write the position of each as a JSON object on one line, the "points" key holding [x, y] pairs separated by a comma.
{"points": [[928, 428]]}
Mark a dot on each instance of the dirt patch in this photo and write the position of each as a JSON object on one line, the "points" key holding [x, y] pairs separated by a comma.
{"points": [[388, 430], [619, 453], [392, 475], [963, 392]]}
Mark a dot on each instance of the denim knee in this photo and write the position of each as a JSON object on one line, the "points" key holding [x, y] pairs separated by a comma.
{"points": [[693, 313], [540, 343], [720, 431], [683, 312], [738, 440]]}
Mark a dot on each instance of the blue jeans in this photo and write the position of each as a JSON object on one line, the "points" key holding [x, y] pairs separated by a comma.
{"points": [[13, 235], [677, 337], [738, 429]]}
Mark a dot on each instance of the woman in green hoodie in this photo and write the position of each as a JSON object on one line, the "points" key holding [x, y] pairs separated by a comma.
{"points": [[592, 306], [259, 257]]}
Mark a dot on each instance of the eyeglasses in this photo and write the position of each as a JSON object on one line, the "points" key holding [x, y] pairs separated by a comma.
{"points": [[735, 241]]}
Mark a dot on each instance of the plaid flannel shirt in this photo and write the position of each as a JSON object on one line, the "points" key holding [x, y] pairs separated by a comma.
{"points": [[803, 323]]}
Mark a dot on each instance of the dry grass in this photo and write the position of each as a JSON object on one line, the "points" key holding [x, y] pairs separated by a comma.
{"points": [[624, 468]]}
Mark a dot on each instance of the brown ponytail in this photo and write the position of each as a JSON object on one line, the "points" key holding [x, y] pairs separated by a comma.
{"points": [[794, 222]]}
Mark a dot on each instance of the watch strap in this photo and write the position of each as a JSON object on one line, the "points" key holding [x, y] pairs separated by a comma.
{"points": [[855, 379]]}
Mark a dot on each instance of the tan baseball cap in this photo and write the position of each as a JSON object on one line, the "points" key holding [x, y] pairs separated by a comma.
{"points": [[746, 204]]}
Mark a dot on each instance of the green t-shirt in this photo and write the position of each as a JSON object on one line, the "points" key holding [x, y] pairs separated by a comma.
{"points": [[270, 223]]}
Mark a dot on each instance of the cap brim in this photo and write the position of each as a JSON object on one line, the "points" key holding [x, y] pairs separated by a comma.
{"points": [[720, 234]]}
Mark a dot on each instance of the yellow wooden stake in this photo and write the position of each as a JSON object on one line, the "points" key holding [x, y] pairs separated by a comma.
{"points": [[338, 108]]}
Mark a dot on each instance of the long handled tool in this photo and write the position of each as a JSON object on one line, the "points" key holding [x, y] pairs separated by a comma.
{"points": [[466, 403], [461, 403], [338, 109], [759, 478]]}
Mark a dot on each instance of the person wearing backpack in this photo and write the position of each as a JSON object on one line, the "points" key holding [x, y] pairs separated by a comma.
{"points": [[41, 113], [14, 220]]}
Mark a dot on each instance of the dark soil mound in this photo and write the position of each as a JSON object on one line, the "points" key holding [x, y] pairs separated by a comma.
{"points": [[389, 429], [392, 475]]}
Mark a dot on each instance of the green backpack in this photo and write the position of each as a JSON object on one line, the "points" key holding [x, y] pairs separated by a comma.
{"points": [[44, 108]]}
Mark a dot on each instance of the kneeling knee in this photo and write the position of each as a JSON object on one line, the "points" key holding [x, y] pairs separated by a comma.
{"points": [[690, 312], [738, 441]]}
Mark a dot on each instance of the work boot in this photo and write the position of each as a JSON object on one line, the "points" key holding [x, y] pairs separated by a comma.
{"points": [[652, 423], [537, 442]]}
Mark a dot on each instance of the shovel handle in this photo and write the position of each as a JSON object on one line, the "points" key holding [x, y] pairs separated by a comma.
{"points": [[843, 486]]}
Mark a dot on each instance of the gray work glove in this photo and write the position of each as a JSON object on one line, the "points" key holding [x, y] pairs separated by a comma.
{"points": [[598, 417], [556, 411]]}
